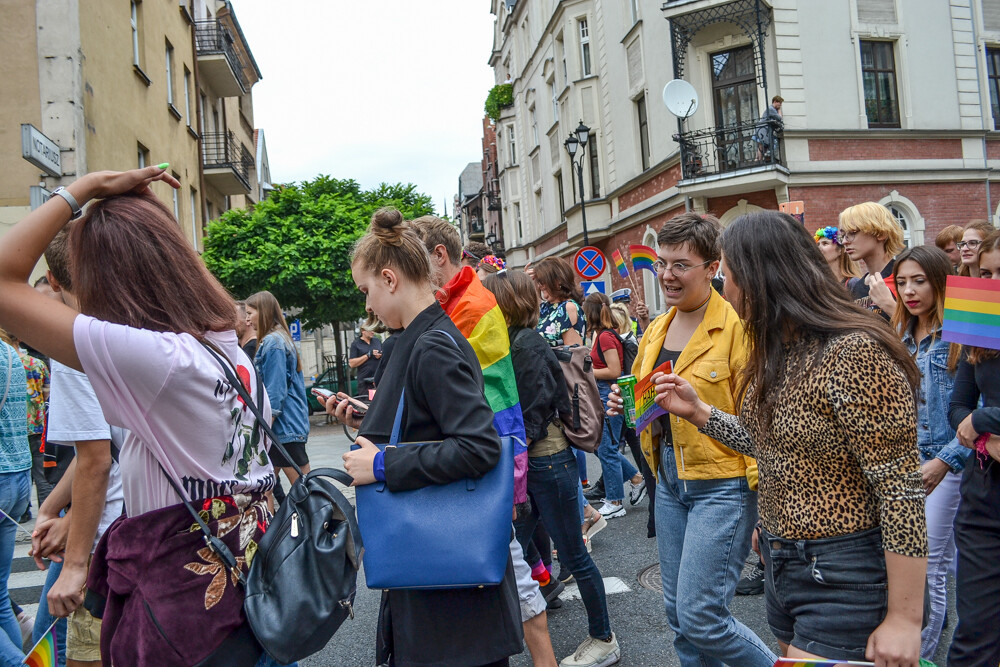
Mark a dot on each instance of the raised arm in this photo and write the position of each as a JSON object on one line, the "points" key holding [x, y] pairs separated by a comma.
{"points": [[44, 324]]}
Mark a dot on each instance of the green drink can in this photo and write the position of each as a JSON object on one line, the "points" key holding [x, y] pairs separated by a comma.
{"points": [[627, 385]]}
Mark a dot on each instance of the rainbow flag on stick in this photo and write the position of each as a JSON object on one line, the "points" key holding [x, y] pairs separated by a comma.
{"points": [[972, 312], [619, 263], [643, 257], [44, 653]]}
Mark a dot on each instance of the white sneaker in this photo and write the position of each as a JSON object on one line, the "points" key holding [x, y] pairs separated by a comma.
{"points": [[610, 510], [594, 653], [636, 492], [27, 625]]}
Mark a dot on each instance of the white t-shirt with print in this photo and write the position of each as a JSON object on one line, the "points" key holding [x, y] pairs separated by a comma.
{"points": [[75, 416], [172, 396]]}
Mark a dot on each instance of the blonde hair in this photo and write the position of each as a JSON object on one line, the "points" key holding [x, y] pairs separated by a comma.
{"points": [[392, 242], [270, 320], [875, 220], [623, 321]]}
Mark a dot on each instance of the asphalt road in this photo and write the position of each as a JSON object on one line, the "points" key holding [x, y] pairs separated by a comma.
{"points": [[621, 551]]}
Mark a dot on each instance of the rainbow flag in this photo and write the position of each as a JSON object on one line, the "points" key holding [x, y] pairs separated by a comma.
{"points": [[475, 312], [972, 312], [620, 263], [803, 662], [44, 653], [643, 257]]}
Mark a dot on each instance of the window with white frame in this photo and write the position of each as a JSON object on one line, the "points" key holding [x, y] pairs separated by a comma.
{"points": [[633, 6], [555, 101], [194, 218], [177, 201], [517, 219], [584, 48], [900, 217], [643, 124], [170, 74], [187, 96], [511, 146], [134, 19], [534, 127]]}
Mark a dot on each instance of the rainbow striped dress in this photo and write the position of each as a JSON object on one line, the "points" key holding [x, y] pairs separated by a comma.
{"points": [[475, 312]]}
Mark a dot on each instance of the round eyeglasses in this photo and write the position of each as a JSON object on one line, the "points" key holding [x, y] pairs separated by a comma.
{"points": [[678, 269]]}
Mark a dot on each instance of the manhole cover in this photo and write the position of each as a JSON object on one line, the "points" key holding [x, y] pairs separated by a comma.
{"points": [[649, 577]]}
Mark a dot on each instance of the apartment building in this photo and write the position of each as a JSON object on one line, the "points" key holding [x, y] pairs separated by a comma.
{"points": [[118, 84], [892, 101]]}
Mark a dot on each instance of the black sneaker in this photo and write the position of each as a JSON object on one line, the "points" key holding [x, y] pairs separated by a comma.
{"points": [[565, 576], [552, 590], [595, 492], [752, 582]]}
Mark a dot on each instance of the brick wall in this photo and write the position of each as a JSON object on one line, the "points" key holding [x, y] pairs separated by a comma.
{"points": [[939, 204], [621, 241], [655, 185], [885, 149], [551, 242], [993, 150]]}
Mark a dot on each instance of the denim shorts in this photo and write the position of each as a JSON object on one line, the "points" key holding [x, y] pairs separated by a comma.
{"points": [[826, 596]]}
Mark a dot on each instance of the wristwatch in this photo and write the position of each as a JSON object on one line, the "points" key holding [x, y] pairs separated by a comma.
{"points": [[70, 199]]}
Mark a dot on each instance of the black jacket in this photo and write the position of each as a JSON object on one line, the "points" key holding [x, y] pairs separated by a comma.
{"points": [[444, 402], [971, 382], [541, 385]]}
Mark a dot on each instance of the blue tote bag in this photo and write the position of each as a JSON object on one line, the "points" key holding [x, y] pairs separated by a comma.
{"points": [[453, 535]]}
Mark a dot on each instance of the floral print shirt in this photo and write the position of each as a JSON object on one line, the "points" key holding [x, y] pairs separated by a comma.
{"points": [[553, 321], [37, 375]]}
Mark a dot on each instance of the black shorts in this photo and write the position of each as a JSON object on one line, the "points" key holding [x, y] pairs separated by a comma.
{"points": [[826, 596], [297, 450]]}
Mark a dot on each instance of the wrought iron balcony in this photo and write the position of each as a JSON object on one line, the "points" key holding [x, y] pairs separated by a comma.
{"points": [[227, 162], [220, 62], [729, 149]]}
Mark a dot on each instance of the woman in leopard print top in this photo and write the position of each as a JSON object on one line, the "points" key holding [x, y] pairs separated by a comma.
{"points": [[828, 411]]}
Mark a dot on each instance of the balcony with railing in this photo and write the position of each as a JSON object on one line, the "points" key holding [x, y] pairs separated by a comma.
{"points": [[221, 63], [227, 163], [720, 153]]}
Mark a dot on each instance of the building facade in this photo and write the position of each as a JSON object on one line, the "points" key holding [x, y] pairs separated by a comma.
{"points": [[119, 84], [894, 101]]}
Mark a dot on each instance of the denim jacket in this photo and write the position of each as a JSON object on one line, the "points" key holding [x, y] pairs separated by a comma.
{"points": [[276, 361], [935, 436]]}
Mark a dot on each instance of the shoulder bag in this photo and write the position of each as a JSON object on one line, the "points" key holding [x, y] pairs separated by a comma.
{"points": [[453, 535], [303, 579]]}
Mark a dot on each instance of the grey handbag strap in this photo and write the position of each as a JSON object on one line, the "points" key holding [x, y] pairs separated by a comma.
{"points": [[6, 390]]}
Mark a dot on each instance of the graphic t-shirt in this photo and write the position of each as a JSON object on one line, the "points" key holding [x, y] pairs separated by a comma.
{"points": [[861, 291], [181, 412], [75, 415], [37, 376]]}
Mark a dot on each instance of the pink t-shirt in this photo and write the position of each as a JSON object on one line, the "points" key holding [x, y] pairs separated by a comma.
{"points": [[180, 410]]}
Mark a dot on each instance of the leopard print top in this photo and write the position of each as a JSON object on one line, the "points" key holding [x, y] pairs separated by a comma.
{"points": [[841, 453]]}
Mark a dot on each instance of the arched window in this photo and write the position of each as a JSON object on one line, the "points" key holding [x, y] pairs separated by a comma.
{"points": [[654, 298], [906, 214]]}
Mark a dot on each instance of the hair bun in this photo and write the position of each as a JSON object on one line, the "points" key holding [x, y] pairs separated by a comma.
{"points": [[388, 226]]}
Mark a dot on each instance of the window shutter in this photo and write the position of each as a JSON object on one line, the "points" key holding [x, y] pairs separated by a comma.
{"points": [[634, 55], [877, 11]]}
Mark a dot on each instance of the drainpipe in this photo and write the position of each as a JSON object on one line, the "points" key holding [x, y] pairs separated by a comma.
{"points": [[986, 161]]}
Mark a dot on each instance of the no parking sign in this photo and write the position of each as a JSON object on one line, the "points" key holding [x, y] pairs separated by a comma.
{"points": [[589, 262]]}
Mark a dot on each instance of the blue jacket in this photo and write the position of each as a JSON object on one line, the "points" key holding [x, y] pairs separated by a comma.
{"points": [[15, 454], [276, 361], [935, 436]]}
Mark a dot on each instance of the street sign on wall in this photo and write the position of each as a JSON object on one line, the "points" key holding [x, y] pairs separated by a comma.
{"points": [[591, 286], [40, 151], [589, 262]]}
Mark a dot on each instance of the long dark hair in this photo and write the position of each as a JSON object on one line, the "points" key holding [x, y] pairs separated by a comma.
{"points": [[787, 290], [131, 265], [937, 268], [556, 275]]}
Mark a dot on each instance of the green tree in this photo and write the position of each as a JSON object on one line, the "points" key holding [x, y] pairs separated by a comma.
{"points": [[297, 244]]}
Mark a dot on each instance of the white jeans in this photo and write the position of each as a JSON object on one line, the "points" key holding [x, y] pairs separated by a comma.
{"points": [[941, 507], [532, 600]]}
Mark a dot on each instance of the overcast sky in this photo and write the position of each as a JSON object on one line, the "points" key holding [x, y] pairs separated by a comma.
{"points": [[376, 90]]}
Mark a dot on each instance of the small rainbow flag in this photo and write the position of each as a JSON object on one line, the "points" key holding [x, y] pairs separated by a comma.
{"points": [[972, 312], [643, 257], [803, 662], [620, 263], [44, 653]]}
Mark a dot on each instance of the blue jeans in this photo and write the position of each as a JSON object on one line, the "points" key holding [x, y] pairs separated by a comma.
{"points": [[703, 530], [581, 463], [15, 489], [554, 490], [615, 467], [43, 619]]}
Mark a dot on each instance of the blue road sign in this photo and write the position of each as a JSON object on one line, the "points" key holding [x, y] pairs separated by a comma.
{"points": [[296, 330], [591, 286], [589, 262]]}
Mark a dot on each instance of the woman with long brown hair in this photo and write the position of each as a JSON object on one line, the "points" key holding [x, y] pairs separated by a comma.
{"points": [[921, 275], [149, 307], [560, 321], [826, 405], [972, 235], [280, 367]]}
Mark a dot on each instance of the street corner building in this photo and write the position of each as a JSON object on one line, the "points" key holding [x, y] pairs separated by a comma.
{"points": [[892, 101]]}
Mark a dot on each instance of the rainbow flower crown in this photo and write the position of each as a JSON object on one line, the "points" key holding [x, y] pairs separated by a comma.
{"points": [[495, 262], [831, 233]]}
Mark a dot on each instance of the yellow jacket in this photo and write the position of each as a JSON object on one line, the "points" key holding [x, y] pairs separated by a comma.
{"points": [[711, 361]]}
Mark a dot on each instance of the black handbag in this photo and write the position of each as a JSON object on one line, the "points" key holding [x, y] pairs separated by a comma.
{"points": [[303, 579]]}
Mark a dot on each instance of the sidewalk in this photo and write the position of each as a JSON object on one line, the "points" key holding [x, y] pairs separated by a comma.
{"points": [[327, 444]]}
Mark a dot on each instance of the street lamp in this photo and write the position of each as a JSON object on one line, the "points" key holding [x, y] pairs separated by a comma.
{"points": [[577, 143]]}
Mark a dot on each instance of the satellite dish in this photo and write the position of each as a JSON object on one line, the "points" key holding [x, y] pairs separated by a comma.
{"points": [[681, 98]]}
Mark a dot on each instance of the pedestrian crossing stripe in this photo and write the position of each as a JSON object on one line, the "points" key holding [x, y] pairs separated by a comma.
{"points": [[612, 585], [26, 580]]}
